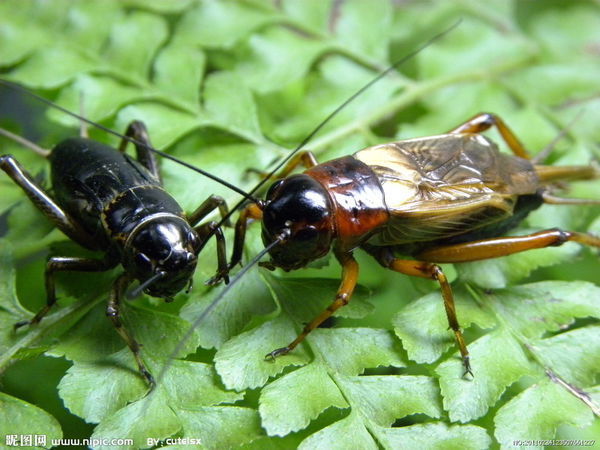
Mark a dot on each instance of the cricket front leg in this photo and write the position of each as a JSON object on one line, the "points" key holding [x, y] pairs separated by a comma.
{"points": [[113, 312], [213, 228], [249, 213], [343, 296]]}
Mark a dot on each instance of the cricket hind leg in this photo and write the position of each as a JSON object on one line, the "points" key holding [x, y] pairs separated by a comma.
{"points": [[45, 203], [423, 269], [504, 246], [484, 121], [138, 131]]}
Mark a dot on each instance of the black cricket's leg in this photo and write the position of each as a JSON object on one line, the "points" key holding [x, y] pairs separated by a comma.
{"points": [[61, 264], [210, 228], [137, 130], [204, 231], [209, 205], [386, 258], [113, 311], [249, 213], [44, 202], [484, 121]]}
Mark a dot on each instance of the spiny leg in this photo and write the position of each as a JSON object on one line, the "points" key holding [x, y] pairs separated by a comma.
{"points": [[305, 158], [138, 131], [113, 311], [343, 296], [61, 264], [484, 121], [550, 174], [554, 200], [249, 213], [204, 231], [44, 202], [553, 177], [503, 246], [432, 271]]}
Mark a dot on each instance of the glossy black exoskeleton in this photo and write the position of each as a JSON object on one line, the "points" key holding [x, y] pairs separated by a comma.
{"points": [[105, 200]]}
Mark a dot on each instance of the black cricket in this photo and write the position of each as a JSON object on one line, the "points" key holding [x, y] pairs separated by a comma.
{"points": [[107, 201]]}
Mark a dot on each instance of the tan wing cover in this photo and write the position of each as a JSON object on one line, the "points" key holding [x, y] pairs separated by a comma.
{"points": [[441, 186]]}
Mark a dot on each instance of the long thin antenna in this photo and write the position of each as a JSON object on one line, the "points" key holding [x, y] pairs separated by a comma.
{"points": [[547, 150], [21, 89], [349, 100]]}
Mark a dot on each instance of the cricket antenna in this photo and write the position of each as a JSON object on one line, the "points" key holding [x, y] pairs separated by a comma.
{"points": [[547, 150], [82, 119], [349, 100]]}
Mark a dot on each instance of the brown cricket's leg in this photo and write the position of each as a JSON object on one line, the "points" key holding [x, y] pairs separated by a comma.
{"points": [[484, 121], [114, 314], [549, 174], [344, 293], [209, 205], [554, 200], [204, 231], [423, 269], [138, 131], [503, 246], [305, 158], [250, 212], [59, 264], [44, 202]]}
